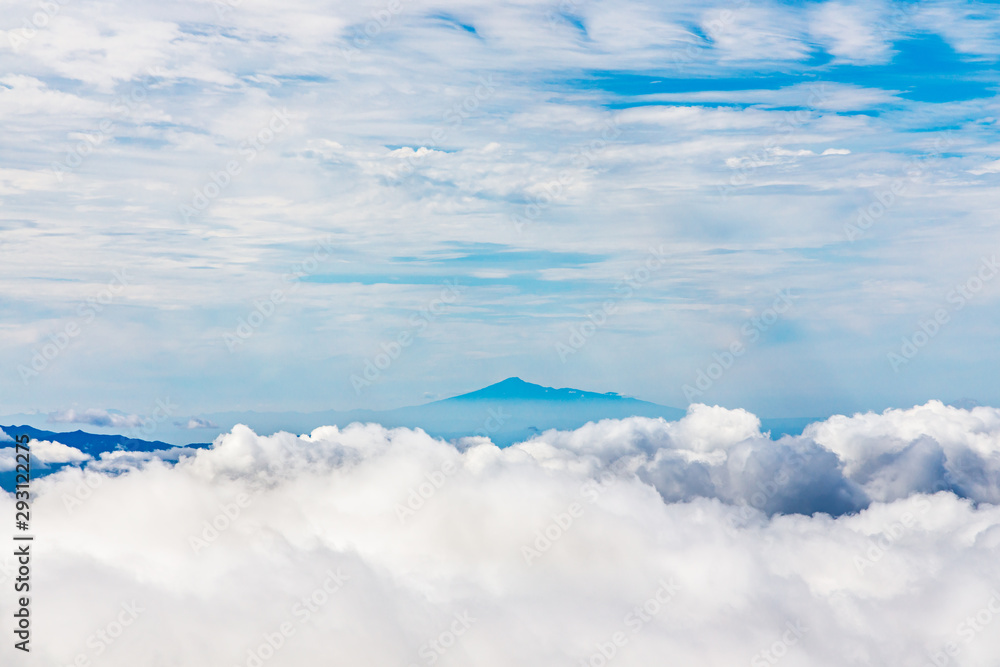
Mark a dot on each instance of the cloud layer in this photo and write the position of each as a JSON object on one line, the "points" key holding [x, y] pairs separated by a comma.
{"points": [[43, 453], [693, 541]]}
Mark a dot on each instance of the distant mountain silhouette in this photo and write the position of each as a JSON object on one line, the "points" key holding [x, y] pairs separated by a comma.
{"points": [[513, 410], [88, 443], [519, 410], [93, 444], [506, 412], [514, 388]]}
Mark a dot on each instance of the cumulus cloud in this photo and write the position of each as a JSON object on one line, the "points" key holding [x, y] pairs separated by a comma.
{"points": [[44, 452], [96, 417], [197, 422], [902, 451], [692, 541]]}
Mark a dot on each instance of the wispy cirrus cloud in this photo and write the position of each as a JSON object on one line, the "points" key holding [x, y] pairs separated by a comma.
{"points": [[698, 92]]}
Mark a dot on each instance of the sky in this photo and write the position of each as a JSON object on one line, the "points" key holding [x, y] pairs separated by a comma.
{"points": [[787, 207], [744, 209]]}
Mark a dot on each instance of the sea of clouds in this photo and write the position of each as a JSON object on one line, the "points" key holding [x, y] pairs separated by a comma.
{"points": [[867, 540]]}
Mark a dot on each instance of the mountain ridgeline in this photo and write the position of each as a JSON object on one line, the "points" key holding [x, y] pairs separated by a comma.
{"points": [[514, 410], [507, 412]]}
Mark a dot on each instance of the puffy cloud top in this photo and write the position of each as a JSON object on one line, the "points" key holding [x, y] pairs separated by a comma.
{"points": [[45, 452], [699, 541]]}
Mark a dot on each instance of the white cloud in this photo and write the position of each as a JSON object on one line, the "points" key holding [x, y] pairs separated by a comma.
{"points": [[851, 33], [198, 422], [632, 27], [96, 417], [988, 168], [22, 95], [824, 96], [755, 34], [42, 451], [894, 582], [17, 181], [129, 45], [899, 451], [972, 29]]}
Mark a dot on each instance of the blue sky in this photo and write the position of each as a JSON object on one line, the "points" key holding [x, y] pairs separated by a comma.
{"points": [[168, 171]]}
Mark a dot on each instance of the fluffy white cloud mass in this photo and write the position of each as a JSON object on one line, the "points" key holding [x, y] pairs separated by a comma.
{"points": [[44, 452], [870, 540]]}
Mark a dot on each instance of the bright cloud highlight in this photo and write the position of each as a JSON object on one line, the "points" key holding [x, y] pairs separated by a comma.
{"points": [[869, 539]]}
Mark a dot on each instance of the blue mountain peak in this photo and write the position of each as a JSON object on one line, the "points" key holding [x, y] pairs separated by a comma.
{"points": [[514, 388]]}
